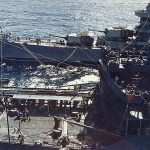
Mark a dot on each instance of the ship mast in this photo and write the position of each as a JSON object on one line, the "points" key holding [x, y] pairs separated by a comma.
{"points": [[6, 104], [1, 55]]}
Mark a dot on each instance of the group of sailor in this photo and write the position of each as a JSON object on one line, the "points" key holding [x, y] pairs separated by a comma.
{"points": [[21, 108]]}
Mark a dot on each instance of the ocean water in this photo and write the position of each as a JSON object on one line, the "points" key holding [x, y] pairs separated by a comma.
{"points": [[32, 18], [39, 18]]}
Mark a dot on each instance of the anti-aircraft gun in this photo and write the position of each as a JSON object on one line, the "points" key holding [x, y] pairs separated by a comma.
{"points": [[84, 39], [114, 37]]}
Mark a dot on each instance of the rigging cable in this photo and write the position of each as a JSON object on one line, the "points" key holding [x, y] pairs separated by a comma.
{"points": [[136, 36], [1, 58], [42, 55], [125, 112], [67, 57], [90, 57], [148, 43], [145, 101], [32, 54]]}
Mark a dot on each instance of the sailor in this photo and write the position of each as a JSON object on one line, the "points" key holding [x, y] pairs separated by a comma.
{"points": [[25, 115], [78, 117], [37, 41], [56, 132], [81, 135], [2, 103], [1, 108], [21, 138], [64, 141], [57, 123], [116, 79], [75, 88], [122, 84], [18, 38]]}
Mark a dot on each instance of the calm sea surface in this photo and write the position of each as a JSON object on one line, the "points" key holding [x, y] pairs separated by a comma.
{"points": [[39, 18], [30, 18]]}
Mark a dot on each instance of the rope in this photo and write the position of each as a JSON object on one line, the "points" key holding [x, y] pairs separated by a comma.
{"points": [[85, 64], [124, 116], [148, 43], [45, 56], [90, 127], [1, 59], [28, 50], [145, 101], [90, 57], [68, 57], [32, 54]]}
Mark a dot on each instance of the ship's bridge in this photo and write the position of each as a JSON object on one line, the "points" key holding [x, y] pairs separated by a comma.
{"points": [[145, 30], [144, 13]]}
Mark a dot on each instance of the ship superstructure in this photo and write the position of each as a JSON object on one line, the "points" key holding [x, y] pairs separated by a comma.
{"points": [[143, 29], [78, 47], [121, 37], [115, 37], [121, 103]]}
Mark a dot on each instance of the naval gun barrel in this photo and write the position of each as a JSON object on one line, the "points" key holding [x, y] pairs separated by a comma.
{"points": [[103, 31], [63, 37]]}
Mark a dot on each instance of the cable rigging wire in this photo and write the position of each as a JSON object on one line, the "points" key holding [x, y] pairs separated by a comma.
{"points": [[67, 57], [1, 57], [33, 53], [136, 36]]}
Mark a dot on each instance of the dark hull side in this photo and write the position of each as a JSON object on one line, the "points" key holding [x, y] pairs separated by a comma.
{"points": [[110, 104], [7, 146], [109, 108], [131, 143], [32, 53]]}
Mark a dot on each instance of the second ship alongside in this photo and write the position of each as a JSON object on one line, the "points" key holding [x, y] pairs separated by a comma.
{"points": [[77, 47]]}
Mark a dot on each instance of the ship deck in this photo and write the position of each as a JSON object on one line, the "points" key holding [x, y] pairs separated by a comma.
{"points": [[38, 129], [40, 124], [52, 43]]}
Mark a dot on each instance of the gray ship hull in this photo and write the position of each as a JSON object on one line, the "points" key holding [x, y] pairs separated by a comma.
{"points": [[13, 51]]}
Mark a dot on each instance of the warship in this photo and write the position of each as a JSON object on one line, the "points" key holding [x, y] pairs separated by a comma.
{"points": [[115, 37], [120, 37], [121, 103], [74, 48]]}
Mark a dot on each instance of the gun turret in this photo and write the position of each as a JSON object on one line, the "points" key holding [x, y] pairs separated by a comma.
{"points": [[78, 39]]}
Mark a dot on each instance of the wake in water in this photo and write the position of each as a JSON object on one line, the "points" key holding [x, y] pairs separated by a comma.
{"points": [[48, 76]]}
